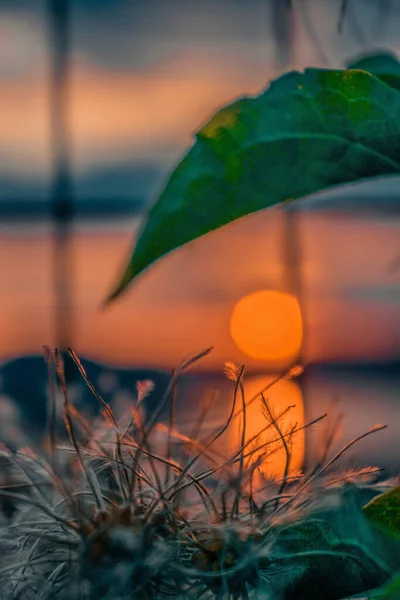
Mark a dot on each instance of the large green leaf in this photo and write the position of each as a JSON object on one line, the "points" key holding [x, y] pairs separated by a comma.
{"points": [[384, 65], [306, 132]]}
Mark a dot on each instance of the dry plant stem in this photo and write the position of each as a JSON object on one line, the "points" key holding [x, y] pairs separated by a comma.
{"points": [[160, 408], [121, 470], [203, 492], [140, 476], [51, 367], [194, 480], [252, 504], [263, 391], [174, 488], [171, 422], [131, 420], [194, 445], [37, 561], [192, 441], [254, 437], [52, 404], [23, 486], [328, 445], [110, 458], [292, 478], [41, 507], [87, 430], [205, 407], [86, 493], [185, 365], [235, 505], [25, 567], [35, 487], [108, 410], [204, 410], [236, 456], [285, 435], [355, 441], [331, 462], [349, 477], [69, 425], [208, 444], [151, 460], [41, 535], [282, 437]]}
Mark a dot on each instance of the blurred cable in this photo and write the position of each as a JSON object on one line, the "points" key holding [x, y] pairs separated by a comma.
{"points": [[307, 21], [282, 25], [62, 202]]}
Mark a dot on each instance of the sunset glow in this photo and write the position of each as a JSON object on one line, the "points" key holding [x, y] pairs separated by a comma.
{"points": [[280, 396], [267, 325], [167, 317]]}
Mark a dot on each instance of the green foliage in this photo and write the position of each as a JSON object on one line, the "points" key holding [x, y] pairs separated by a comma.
{"points": [[384, 65], [306, 132], [390, 591], [385, 511], [340, 551]]}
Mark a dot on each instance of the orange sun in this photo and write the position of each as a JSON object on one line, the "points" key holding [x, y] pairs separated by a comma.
{"points": [[267, 325]]}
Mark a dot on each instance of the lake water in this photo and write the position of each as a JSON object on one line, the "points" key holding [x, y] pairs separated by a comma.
{"points": [[364, 397], [350, 297]]}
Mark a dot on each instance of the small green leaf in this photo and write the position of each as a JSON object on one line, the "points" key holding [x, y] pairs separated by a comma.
{"points": [[390, 591], [384, 510], [342, 553], [306, 132], [384, 65]]}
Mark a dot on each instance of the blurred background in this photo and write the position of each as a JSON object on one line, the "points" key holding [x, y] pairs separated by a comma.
{"points": [[99, 99]]}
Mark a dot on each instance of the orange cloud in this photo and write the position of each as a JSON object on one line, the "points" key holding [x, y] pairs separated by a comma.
{"points": [[143, 116]]}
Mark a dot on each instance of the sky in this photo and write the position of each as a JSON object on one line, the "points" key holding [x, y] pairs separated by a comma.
{"points": [[144, 77]]}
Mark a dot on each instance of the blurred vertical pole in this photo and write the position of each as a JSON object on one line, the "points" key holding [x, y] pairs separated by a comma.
{"points": [[61, 195], [282, 21], [283, 27]]}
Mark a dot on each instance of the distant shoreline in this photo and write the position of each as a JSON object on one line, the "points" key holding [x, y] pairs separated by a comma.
{"points": [[356, 368], [29, 211]]}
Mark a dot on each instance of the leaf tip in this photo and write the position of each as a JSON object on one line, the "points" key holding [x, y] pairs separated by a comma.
{"points": [[125, 280]]}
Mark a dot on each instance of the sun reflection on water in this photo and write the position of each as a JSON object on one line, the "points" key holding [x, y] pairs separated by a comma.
{"points": [[267, 446]]}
